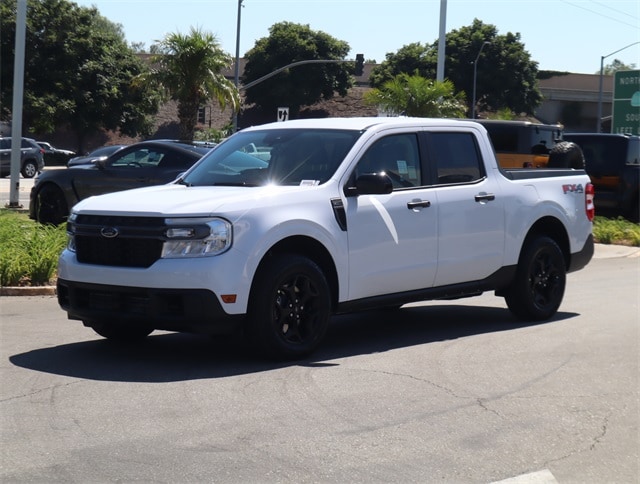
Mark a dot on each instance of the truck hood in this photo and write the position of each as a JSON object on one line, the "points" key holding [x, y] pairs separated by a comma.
{"points": [[180, 200]]}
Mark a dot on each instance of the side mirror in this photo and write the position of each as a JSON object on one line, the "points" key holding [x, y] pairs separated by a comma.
{"points": [[374, 184]]}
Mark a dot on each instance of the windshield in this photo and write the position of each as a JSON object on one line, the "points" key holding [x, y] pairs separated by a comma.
{"points": [[306, 157]]}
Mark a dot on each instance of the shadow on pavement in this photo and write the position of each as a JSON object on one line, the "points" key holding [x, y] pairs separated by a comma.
{"points": [[169, 357]]}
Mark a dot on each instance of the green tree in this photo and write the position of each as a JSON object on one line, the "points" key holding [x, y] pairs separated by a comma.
{"points": [[409, 59], [418, 96], [299, 86], [78, 72], [189, 70], [615, 66], [506, 75]]}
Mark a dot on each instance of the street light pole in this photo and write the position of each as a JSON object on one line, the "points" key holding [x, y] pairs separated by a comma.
{"points": [[236, 77], [602, 58], [475, 75]]}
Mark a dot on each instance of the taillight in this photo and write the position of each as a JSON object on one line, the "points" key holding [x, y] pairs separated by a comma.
{"points": [[589, 205]]}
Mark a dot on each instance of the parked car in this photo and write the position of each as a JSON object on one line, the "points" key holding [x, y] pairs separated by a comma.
{"points": [[141, 164], [55, 156], [612, 161], [97, 154], [31, 157]]}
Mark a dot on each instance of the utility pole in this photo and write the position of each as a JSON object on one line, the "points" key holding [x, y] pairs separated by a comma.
{"points": [[442, 41], [236, 76]]}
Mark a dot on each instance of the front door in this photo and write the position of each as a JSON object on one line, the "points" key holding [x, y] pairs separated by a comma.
{"points": [[393, 237]]}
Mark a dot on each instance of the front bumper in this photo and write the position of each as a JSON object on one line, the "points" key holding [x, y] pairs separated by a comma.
{"points": [[183, 310]]}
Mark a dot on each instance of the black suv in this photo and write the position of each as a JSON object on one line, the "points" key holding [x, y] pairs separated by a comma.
{"points": [[31, 157], [612, 161]]}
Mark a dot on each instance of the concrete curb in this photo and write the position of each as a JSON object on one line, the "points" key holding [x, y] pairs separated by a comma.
{"points": [[602, 251], [28, 291]]}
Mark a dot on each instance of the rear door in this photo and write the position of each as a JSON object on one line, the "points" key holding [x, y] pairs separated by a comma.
{"points": [[469, 211]]}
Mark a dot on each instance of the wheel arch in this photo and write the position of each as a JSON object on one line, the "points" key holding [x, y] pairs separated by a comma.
{"points": [[308, 247], [554, 229]]}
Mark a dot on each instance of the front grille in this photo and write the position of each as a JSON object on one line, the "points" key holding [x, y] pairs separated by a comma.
{"points": [[138, 244], [124, 252]]}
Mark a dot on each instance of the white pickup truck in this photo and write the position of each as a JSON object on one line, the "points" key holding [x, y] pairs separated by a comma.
{"points": [[344, 215]]}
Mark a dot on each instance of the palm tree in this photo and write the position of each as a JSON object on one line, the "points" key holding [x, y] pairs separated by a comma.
{"points": [[418, 96], [189, 70]]}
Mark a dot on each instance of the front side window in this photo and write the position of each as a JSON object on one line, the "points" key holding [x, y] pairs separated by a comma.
{"points": [[397, 156], [294, 157], [139, 158]]}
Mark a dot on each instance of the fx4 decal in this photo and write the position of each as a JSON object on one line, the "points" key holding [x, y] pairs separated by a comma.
{"points": [[572, 189]]}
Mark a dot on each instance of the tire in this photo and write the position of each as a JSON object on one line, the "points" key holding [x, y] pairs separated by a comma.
{"points": [[566, 154], [29, 169], [51, 207], [289, 308], [538, 288], [120, 332]]}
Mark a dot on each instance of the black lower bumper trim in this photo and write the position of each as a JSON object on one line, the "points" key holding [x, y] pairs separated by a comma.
{"points": [[184, 310]]}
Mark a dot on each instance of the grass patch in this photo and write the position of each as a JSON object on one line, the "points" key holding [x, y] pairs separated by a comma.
{"points": [[28, 250]]}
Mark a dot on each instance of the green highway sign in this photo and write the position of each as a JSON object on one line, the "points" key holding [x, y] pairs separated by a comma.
{"points": [[626, 103]]}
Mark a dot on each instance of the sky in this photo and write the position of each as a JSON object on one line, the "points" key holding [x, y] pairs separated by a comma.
{"points": [[561, 35]]}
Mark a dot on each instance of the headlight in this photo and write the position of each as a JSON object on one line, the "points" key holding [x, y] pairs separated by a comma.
{"points": [[71, 238], [196, 238]]}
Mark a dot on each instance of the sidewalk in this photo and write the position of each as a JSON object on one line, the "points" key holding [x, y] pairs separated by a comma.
{"points": [[602, 251]]}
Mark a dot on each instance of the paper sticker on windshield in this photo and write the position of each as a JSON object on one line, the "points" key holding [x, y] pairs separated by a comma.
{"points": [[402, 167], [309, 183]]}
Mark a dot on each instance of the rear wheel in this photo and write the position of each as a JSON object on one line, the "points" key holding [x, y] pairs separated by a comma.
{"points": [[538, 288], [29, 169], [51, 207], [120, 332], [289, 308]]}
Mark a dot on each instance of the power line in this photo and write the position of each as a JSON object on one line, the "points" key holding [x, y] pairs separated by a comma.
{"points": [[601, 14]]}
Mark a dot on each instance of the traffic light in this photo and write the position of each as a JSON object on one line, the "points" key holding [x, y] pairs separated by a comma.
{"points": [[201, 114], [359, 64]]}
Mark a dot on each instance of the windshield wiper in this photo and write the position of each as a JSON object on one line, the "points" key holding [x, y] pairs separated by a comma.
{"points": [[234, 184]]}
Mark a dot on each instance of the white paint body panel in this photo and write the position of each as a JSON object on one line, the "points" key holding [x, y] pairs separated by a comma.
{"points": [[387, 248]]}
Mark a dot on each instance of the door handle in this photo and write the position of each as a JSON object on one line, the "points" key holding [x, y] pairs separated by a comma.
{"points": [[418, 204], [485, 197]]}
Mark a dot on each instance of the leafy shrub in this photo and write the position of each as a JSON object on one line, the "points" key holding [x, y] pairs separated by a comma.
{"points": [[616, 231], [28, 251]]}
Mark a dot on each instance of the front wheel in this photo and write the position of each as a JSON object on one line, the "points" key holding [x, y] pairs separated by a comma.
{"points": [[538, 288], [29, 169], [51, 207], [289, 307]]}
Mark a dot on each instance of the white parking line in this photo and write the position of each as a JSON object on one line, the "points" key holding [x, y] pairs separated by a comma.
{"points": [[540, 477]]}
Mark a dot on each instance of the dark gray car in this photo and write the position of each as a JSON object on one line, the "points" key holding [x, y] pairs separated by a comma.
{"points": [[31, 157], [138, 165]]}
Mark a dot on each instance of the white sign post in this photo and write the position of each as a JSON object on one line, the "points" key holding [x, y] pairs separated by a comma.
{"points": [[283, 114]]}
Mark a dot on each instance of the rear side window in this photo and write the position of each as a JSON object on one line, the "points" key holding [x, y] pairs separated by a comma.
{"points": [[456, 157]]}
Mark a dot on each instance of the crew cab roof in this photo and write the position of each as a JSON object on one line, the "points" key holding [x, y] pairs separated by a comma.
{"points": [[362, 123]]}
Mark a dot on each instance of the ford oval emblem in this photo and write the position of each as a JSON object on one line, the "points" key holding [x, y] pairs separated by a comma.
{"points": [[109, 232]]}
